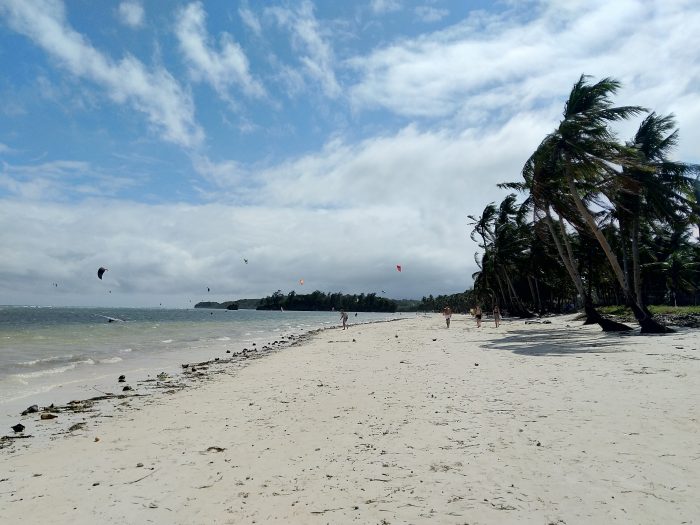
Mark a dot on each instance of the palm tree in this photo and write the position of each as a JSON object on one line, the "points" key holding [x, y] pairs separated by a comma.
{"points": [[656, 189], [503, 239], [544, 177], [590, 156]]}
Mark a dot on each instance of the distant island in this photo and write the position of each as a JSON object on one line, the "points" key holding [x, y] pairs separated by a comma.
{"points": [[319, 301], [213, 305]]}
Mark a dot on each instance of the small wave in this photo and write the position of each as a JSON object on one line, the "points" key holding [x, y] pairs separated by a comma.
{"points": [[110, 360], [167, 341], [46, 360], [125, 350], [56, 370], [224, 338]]}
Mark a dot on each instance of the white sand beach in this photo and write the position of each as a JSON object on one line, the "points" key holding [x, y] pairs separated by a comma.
{"points": [[395, 422]]}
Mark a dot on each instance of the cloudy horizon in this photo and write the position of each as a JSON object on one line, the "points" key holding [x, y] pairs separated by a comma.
{"points": [[323, 141]]}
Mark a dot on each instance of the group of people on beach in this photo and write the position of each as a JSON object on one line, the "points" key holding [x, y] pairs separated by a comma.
{"points": [[476, 312]]}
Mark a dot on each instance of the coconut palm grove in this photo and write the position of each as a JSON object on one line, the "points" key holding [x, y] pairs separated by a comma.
{"points": [[596, 220]]}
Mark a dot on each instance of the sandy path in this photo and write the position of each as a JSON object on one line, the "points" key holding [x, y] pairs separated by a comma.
{"points": [[556, 424]]}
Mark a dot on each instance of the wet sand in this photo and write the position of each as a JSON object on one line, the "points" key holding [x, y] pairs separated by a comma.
{"points": [[399, 422]]}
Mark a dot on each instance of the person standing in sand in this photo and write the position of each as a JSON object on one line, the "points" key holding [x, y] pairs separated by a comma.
{"points": [[447, 312], [344, 318], [496, 315], [477, 314]]}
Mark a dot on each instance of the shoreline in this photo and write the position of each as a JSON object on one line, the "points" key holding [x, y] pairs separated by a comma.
{"points": [[78, 408], [393, 423]]}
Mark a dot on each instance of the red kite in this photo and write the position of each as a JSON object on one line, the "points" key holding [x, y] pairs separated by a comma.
{"points": [[398, 267]]}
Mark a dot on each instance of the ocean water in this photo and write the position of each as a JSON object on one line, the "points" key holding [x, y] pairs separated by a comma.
{"points": [[52, 354]]}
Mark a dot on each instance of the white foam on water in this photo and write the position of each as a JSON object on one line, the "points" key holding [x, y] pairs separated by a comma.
{"points": [[56, 370], [111, 360]]}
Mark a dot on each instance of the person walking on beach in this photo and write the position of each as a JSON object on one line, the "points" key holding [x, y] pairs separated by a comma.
{"points": [[344, 318], [477, 314], [447, 312], [496, 316]]}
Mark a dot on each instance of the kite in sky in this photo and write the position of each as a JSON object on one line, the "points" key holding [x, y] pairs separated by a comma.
{"points": [[245, 261], [301, 281], [398, 267], [208, 289], [101, 272]]}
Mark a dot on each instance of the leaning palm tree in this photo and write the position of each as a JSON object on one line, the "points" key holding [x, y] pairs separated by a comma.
{"points": [[655, 189], [590, 157], [544, 178]]}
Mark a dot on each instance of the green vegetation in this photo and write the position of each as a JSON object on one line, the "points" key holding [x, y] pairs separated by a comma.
{"points": [[602, 222], [624, 311], [319, 301], [213, 305]]}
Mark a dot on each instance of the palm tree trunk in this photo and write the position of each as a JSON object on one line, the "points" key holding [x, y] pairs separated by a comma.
{"points": [[636, 267], [592, 315], [647, 323]]}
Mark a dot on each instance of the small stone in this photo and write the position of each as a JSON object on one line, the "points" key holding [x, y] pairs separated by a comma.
{"points": [[97, 439], [96, 483], [30, 410], [122, 378], [19, 427], [48, 416], [476, 364], [126, 388], [228, 351], [139, 465], [539, 444]]}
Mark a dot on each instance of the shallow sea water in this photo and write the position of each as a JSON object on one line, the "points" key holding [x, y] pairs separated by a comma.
{"points": [[54, 354]]}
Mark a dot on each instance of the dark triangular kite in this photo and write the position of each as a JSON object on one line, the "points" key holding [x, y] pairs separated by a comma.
{"points": [[101, 272]]}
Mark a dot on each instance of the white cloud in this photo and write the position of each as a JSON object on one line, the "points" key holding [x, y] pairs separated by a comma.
{"points": [[131, 13], [385, 6], [250, 19], [59, 180], [168, 107], [222, 69], [4, 148], [329, 250], [316, 53], [495, 65], [428, 13]]}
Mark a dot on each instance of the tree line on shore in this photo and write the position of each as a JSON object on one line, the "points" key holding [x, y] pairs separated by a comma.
{"points": [[320, 301], [600, 221]]}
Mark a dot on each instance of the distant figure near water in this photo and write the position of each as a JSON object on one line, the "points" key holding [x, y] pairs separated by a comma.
{"points": [[496, 315], [447, 312], [477, 314], [344, 318]]}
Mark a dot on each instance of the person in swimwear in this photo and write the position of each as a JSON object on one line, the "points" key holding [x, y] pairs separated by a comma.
{"points": [[447, 312], [496, 315], [477, 314]]}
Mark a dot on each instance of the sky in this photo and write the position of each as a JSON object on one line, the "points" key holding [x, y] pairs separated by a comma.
{"points": [[320, 140]]}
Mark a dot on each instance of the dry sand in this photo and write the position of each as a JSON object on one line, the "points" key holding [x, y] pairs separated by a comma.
{"points": [[394, 423]]}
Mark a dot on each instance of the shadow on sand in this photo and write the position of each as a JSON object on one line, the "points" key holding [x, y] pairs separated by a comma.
{"points": [[558, 341]]}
